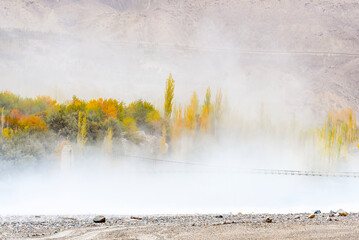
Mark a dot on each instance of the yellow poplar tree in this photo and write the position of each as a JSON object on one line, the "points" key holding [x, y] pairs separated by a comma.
{"points": [[217, 109], [218, 105], [163, 140], [2, 119], [107, 142], [131, 128], [82, 132], [338, 134], [205, 120], [189, 118], [194, 102], [207, 100], [170, 86], [7, 132], [177, 125], [205, 123], [190, 113], [154, 120]]}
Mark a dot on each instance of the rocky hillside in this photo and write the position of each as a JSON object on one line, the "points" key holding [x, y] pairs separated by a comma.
{"points": [[311, 43]]}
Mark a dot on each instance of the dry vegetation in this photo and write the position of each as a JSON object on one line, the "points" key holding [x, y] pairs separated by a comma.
{"points": [[338, 134]]}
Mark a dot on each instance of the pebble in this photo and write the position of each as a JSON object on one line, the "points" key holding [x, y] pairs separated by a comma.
{"points": [[19, 227], [332, 213], [341, 212]]}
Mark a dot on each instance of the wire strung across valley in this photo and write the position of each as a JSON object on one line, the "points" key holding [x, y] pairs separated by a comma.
{"points": [[151, 45], [254, 171]]}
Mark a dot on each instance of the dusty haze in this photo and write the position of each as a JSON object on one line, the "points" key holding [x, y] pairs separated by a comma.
{"points": [[297, 57]]}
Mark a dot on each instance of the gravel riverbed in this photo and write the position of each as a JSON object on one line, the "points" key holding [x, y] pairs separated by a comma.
{"points": [[173, 226]]}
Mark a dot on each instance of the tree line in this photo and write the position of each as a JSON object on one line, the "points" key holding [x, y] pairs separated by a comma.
{"points": [[99, 121]]}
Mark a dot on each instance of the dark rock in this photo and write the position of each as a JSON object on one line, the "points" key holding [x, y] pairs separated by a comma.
{"points": [[332, 213], [269, 220], [99, 219], [317, 212], [219, 216], [341, 212]]}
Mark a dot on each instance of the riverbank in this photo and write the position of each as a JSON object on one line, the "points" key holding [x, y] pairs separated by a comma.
{"points": [[221, 226]]}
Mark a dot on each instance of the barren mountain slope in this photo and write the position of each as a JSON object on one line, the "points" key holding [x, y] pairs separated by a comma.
{"points": [[320, 39], [260, 25]]}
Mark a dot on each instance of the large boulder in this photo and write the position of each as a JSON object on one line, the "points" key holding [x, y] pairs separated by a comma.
{"points": [[99, 219]]}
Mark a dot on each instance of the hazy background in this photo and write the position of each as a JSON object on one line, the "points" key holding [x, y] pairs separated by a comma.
{"points": [[303, 54]]}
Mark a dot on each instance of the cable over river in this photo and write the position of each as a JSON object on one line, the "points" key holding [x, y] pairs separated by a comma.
{"points": [[254, 170]]}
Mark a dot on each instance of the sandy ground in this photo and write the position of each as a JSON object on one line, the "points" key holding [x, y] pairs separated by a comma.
{"points": [[230, 226], [269, 231]]}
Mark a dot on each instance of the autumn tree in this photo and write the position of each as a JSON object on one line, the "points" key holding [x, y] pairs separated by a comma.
{"points": [[94, 110], [169, 94], [189, 118], [7, 132], [107, 142], [217, 109], [194, 102], [27, 106], [205, 115], [82, 131], [76, 105], [164, 146], [131, 129], [9, 101], [338, 133], [139, 111], [207, 100], [32, 123], [190, 113], [177, 124], [2, 119], [110, 107], [63, 123], [115, 125], [154, 122]]}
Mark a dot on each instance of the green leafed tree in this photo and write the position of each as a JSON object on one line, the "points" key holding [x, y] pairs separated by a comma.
{"points": [[62, 123]]}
